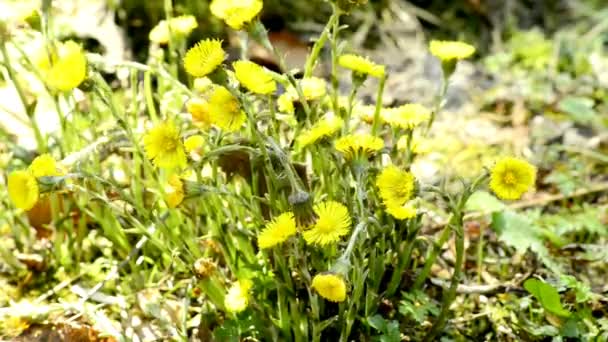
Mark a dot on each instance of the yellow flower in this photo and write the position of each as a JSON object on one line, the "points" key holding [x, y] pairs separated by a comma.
{"points": [[202, 84], [63, 66], [285, 104], [418, 145], [180, 27], [193, 143], [237, 298], [354, 146], [277, 231], [204, 57], [313, 88], [330, 286], [164, 147], [407, 116], [44, 166], [333, 222], [365, 113], [23, 189], [225, 110], [199, 109], [323, 128], [361, 65], [449, 50], [236, 13], [396, 188], [174, 191], [254, 77], [512, 177]]}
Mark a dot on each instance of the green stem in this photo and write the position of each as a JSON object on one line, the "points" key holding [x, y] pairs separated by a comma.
{"points": [[378, 106], [319, 44], [334, 59], [432, 255], [349, 112], [404, 259], [438, 102]]}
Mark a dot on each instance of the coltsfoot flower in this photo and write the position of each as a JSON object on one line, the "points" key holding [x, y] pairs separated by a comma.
{"points": [[237, 298], [285, 103], [407, 116], [512, 177], [361, 65], [174, 191], [396, 189], [225, 111], [45, 166], [450, 50], [23, 189], [277, 231], [179, 27], [194, 142], [254, 77], [323, 128], [361, 145], [204, 57], [236, 13], [63, 66], [330, 286], [164, 147], [199, 109], [333, 222]]}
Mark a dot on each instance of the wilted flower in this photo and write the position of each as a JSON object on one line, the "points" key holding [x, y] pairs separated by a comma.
{"points": [[323, 128], [333, 222], [204, 57], [164, 147], [174, 191], [361, 65], [285, 103], [254, 77], [512, 177], [277, 231], [330, 286], [362, 145], [237, 298], [23, 189], [236, 13], [179, 27], [194, 142], [225, 111]]}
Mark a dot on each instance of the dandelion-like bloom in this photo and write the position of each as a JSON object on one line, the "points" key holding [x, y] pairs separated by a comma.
{"points": [[323, 128], [359, 145], [277, 231], [330, 286], [313, 88], [204, 57], [63, 66], [396, 189], [179, 27], [450, 50], [199, 109], [361, 65], [225, 110], [236, 13], [512, 177], [237, 298], [164, 147], [44, 166], [194, 142], [333, 222], [407, 116], [285, 103], [174, 191], [254, 77], [23, 189]]}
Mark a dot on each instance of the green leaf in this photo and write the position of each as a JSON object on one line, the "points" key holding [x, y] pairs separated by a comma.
{"points": [[515, 230], [580, 109], [547, 295], [377, 322], [485, 202]]}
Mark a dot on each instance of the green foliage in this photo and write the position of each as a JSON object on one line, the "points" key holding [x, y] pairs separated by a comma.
{"points": [[418, 306], [547, 296], [389, 330]]}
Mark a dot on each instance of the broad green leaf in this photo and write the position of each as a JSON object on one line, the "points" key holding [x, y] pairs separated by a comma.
{"points": [[377, 322], [515, 230], [547, 295], [483, 201], [580, 109]]}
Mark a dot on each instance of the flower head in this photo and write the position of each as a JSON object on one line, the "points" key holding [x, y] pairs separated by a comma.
{"points": [[313, 88], [254, 77], [23, 189], [361, 65], [199, 109], [236, 13], [407, 116], [333, 222], [44, 166], [194, 142], [225, 110], [277, 231], [359, 145], [330, 286], [512, 177], [323, 128], [450, 50], [237, 298], [204, 57], [164, 147], [174, 191], [396, 188], [63, 66], [179, 27], [285, 103]]}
